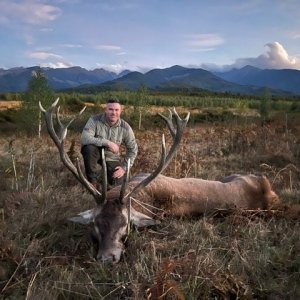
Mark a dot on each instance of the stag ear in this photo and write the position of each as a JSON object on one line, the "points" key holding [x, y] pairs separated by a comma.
{"points": [[141, 220], [85, 217]]}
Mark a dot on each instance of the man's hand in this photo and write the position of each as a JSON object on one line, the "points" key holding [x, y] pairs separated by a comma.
{"points": [[119, 172], [114, 148]]}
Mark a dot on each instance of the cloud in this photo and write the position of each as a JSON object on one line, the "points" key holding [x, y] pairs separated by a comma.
{"points": [[108, 48], [70, 46], [56, 65], [276, 57], [42, 55], [48, 59], [116, 68], [28, 11], [202, 42]]}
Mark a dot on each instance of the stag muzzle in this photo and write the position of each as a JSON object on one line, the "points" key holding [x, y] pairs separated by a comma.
{"points": [[111, 256]]}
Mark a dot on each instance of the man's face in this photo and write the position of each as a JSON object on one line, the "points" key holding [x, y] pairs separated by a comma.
{"points": [[113, 112]]}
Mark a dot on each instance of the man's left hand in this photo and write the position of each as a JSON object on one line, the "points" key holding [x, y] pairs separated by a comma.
{"points": [[119, 172]]}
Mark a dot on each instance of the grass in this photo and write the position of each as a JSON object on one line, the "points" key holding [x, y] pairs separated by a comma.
{"points": [[238, 256]]}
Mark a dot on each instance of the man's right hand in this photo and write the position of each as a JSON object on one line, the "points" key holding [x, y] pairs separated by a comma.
{"points": [[114, 148]]}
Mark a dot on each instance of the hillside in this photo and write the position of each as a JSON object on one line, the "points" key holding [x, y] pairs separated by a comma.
{"points": [[16, 79], [177, 78], [285, 79], [248, 80]]}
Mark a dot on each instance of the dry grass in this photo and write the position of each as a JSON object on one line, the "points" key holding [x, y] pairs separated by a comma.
{"points": [[244, 255], [4, 105]]}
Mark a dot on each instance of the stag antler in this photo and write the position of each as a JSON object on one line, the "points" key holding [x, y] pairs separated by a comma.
{"points": [[59, 137], [176, 134]]}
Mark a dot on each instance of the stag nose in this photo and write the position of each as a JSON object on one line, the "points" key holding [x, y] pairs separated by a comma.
{"points": [[107, 259]]}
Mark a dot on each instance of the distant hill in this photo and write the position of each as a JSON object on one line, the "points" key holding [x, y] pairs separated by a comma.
{"points": [[285, 79], [16, 79], [247, 80], [176, 78]]}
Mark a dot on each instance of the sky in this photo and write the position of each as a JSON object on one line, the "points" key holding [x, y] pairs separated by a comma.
{"points": [[140, 35]]}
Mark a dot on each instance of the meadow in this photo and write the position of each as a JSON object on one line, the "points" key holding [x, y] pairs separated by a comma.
{"points": [[235, 255]]}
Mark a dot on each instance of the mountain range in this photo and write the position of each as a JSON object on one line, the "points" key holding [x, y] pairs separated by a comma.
{"points": [[247, 80]]}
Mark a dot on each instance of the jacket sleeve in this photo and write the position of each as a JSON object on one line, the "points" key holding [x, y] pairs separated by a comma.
{"points": [[131, 147], [88, 135]]}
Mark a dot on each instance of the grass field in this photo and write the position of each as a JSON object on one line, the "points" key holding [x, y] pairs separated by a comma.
{"points": [[243, 255], [4, 105]]}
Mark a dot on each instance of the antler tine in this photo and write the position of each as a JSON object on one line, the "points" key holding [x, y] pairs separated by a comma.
{"points": [[165, 159], [49, 121], [154, 174], [175, 133], [60, 125], [169, 122], [125, 181], [104, 176], [59, 142]]}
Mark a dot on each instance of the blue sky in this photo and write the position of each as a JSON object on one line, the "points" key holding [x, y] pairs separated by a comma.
{"points": [[146, 34]]}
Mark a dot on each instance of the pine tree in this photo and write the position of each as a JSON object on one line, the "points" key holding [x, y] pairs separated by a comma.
{"points": [[38, 90]]}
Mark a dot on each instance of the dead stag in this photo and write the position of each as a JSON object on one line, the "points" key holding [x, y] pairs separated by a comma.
{"points": [[176, 197]]}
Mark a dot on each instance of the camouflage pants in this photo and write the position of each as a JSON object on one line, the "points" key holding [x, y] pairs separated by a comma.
{"points": [[92, 160]]}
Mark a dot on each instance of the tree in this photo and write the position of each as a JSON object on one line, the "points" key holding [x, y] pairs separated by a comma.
{"points": [[264, 108], [141, 95], [38, 90]]}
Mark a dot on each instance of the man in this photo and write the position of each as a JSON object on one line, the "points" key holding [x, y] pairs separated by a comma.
{"points": [[107, 131]]}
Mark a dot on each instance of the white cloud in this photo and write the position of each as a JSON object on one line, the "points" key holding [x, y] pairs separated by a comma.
{"points": [[108, 47], [42, 55], [70, 46], [28, 11], [202, 42], [49, 59], [116, 68], [56, 65], [276, 57]]}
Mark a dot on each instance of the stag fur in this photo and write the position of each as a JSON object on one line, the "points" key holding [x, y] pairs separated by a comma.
{"points": [[193, 196]]}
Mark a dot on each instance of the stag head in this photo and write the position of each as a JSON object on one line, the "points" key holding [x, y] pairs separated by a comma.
{"points": [[113, 213]]}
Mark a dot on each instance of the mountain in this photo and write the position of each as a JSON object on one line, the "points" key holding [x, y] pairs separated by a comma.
{"points": [[247, 80], [285, 79], [175, 78], [16, 79]]}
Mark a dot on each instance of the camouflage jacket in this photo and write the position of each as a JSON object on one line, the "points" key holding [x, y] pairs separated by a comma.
{"points": [[98, 132]]}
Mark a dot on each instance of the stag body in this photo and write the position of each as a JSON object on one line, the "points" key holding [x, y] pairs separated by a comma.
{"points": [[193, 196]]}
